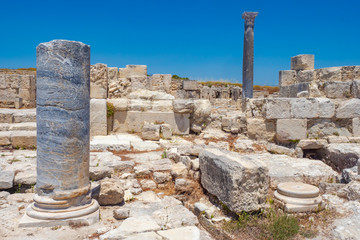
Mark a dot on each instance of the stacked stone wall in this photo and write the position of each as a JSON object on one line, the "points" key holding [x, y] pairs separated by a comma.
{"points": [[17, 88], [332, 82], [294, 119]]}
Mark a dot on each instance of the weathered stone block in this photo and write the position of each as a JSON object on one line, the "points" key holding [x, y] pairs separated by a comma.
{"points": [[139, 105], [120, 104], [328, 74], [356, 127], [291, 129], [258, 128], [348, 109], [320, 128], [337, 89], [303, 62], [347, 73], [5, 138], [166, 131], [304, 108], [162, 105], [133, 70], [6, 179], [183, 105], [98, 81], [191, 85], [3, 81], [355, 89], [150, 132], [287, 77], [326, 108], [138, 83], [160, 82], [278, 108], [26, 139], [305, 76], [240, 183], [98, 117]]}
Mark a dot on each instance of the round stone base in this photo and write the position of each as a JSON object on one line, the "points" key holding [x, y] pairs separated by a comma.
{"points": [[57, 214], [298, 197]]}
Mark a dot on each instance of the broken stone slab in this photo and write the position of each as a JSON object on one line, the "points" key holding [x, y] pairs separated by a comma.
{"points": [[6, 179], [111, 192], [291, 129], [183, 105], [145, 146], [150, 95], [283, 168], [183, 233], [110, 142], [150, 132], [341, 155], [240, 182], [312, 143], [302, 62], [348, 109]]}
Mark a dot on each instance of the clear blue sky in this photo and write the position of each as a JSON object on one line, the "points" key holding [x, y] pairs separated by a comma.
{"points": [[200, 39]]}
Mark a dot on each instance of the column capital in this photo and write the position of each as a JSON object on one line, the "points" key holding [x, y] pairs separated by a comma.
{"points": [[249, 17]]}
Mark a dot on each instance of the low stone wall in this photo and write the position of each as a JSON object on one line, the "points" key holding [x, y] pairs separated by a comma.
{"points": [[305, 81], [293, 119], [17, 88]]}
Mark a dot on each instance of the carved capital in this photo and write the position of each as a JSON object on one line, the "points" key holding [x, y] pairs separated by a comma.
{"points": [[249, 17]]}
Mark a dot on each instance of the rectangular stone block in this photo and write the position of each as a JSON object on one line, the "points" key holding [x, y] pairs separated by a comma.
{"points": [[326, 108], [97, 91], [6, 116], [356, 127], [98, 81], [303, 62], [237, 181], [2, 80], [190, 85], [25, 93], [261, 129], [348, 108], [328, 74], [26, 81], [160, 82], [23, 139], [139, 105], [120, 104], [98, 117], [287, 77], [183, 105], [278, 108], [291, 129], [132, 71], [162, 105], [132, 121], [337, 89], [355, 89], [24, 115], [5, 138], [138, 83], [305, 76], [347, 73], [304, 108]]}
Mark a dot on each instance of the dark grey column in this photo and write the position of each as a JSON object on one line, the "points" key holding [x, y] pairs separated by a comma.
{"points": [[248, 54], [63, 112]]}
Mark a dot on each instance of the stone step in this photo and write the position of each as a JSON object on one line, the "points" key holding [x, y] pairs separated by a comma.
{"points": [[17, 115], [23, 126], [18, 139]]}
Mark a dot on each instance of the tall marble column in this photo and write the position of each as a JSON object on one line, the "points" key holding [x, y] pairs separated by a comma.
{"points": [[62, 115], [248, 54]]}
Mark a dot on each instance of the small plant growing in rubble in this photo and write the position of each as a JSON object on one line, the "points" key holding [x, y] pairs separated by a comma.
{"points": [[164, 154], [110, 109]]}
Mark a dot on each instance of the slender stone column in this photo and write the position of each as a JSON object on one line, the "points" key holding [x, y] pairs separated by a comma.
{"points": [[62, 114], [248, 55]]}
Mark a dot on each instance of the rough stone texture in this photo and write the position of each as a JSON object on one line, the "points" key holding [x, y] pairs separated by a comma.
{"points": [[312, 143], [166, 131], [190, 85], [302, 62], [120, 104], [356, 127], [355, 89], [23, 139], [341, 155], [330, 74], [320, 128], [337, 89], [160, 82], [98, 117], [121, 213], [291, 129], [133, 70], [183, 105], [63, 93], [111, 192], [348, 109], [304, 108], [258, 128], [239, 182], [326, 108], [278, 108], [287, 77], [138, 82], [183, 233], [162, 105], [305, 76], [98, 81], [6, 179], [150, 132]]}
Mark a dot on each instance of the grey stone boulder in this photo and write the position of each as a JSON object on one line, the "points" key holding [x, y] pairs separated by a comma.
{"points": [[241, 183], [6, 179]]}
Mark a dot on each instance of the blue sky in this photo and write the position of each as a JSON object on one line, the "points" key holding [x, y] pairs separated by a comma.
{"points": [[201, 39]]}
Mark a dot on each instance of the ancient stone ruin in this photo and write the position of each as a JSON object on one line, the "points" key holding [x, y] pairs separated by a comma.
{"points": [[113, 153]]}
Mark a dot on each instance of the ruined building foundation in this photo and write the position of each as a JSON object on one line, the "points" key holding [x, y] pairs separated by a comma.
{"points": [[62, 190]]}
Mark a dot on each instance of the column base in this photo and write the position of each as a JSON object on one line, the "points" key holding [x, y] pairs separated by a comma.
{"points": [[84, 216]]}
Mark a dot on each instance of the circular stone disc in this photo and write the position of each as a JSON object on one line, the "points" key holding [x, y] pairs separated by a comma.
{"points": [[298, 201], [298, 190]]}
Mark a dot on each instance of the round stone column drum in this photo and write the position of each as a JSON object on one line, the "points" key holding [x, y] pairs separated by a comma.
{"points": [[62, 115]]}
